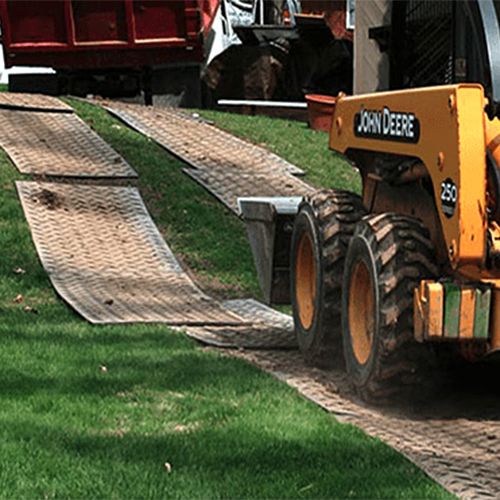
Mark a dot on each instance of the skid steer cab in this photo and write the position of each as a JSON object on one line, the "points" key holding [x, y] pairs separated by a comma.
{"points": [[412, 267]]}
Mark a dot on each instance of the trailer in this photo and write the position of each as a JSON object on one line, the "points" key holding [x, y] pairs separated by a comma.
{"points": [[233, 49], [117, 47]]}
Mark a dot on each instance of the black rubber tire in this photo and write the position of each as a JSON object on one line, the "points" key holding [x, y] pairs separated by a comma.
{"points": [[396, 253], [328, 217]]}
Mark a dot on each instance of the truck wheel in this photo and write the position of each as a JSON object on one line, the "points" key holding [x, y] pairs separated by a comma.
{"points": [[387, 257], [322, 229]]}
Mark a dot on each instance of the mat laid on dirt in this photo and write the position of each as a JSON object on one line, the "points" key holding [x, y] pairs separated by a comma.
{"points": [[107, 259], [227, 166], [57, 144], [269, 329]]}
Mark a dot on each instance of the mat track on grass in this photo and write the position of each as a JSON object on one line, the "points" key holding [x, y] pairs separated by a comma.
{"points": [[98, 244], [455, 438], [58, 144], [268, 329], [225, 165], [107, 259], [33, 102], [229, 185]]}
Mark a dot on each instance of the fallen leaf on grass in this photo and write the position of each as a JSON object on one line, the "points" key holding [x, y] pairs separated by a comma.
{"points": [[168, 467], [18, 299], [19, 270], [116, 127], [31, 309], [305, 488], [180, 428]]}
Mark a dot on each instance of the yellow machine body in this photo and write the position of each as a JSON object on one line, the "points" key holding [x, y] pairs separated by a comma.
{"points": [[441, 136], [445, 128]]}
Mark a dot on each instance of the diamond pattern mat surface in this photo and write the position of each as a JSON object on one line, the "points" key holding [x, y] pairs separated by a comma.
{"points": [[33, 102], [195, 140], [58, 144], [107, 259], [227, 166], [455, 438], [256, 312], [229, 185], [269, 329]]}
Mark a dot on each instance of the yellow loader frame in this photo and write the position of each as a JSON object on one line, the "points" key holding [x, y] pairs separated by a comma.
{"points": [[445, 134]]}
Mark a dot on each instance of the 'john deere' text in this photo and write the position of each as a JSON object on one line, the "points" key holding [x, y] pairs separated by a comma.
{"points": [[387, 125]]}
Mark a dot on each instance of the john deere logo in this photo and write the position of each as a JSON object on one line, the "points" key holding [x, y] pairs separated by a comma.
{"points": [[387, 125]]}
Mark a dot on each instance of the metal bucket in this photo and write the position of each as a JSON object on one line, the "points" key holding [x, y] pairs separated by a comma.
{"points": [[269, 223]]}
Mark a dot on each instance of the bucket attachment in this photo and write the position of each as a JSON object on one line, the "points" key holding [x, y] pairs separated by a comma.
{"points": [[269, 223]]}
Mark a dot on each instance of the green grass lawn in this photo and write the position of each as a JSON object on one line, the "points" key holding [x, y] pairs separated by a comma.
{"points": [[97, 411]]}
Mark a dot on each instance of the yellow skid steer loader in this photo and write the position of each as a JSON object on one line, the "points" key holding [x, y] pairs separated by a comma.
{"points": [[412, 265]]}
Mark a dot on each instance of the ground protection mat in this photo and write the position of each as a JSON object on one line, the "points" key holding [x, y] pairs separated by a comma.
{"points": [[57, 144], [269, 329], [189, 138], [106, 258], [229, 185], [225, 165], [33, 102], [455, 439]]}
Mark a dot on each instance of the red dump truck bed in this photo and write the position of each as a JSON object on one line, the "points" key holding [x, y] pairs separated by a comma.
{"points": [[101, 34]]}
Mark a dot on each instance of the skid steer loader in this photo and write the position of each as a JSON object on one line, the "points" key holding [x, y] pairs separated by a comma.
{"points": [[417, 258], [412, 263], [409, 271]]}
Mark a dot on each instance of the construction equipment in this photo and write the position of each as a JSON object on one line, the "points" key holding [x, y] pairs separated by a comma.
{"points": [[409, 273], [109, 48], [415, 260]]}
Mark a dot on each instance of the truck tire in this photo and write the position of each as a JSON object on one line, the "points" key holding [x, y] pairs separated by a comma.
{"points": [[322, 229], [387, 257]]}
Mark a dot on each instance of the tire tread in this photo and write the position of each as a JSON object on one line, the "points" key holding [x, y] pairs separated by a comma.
{"points": [[336, 213], [404, 254]]}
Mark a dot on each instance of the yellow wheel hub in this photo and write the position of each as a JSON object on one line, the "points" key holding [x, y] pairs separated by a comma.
{"points": [[305, 273], [361, 312]]}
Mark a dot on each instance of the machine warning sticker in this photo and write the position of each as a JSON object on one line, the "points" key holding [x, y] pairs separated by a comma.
{"points": [[449, 196], [387, 125]]}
